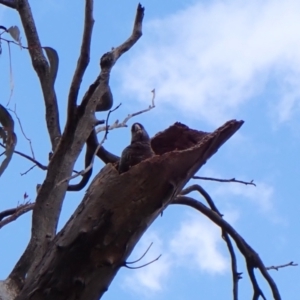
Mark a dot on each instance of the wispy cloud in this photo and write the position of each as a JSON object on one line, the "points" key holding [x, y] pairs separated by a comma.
{"points": [[198, 241], [195, 244], [261, 195], [212, 58], [152, 277]]}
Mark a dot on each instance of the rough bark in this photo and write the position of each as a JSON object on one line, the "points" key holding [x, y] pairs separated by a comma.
{"points": [[87, 253]]}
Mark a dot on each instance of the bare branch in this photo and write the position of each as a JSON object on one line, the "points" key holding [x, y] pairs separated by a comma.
{"points": [[252, 258], [100, 88], [225, 180], [24, 173], [116, 124], [15, 213], [106, 122], [6, 213], [91, 146], [83, 59], [142, 266], [290, 264], [106, 156], [136, 34], [41, 166], [200, 189], [12, 42], [235, 274], [135, 261], [9, 3], [42, 69], [37, 163]]}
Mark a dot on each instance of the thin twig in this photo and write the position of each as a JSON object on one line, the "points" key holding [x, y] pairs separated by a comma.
{"points": [[116, 124], [142, 266], [106, 122], [13, 42], [135, 261], [22, 174], [19, 121], [38, 164], [225, 180], [41, 166], [20, 210], [290, 264]]}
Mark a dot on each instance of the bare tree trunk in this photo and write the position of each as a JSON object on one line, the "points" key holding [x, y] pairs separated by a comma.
{"points": [[117, 209]]}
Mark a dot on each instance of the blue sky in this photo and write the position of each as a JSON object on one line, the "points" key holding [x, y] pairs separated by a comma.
{"points": [[209, 61]]}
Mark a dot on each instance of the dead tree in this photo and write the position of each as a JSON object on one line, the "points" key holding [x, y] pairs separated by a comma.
{"points": [[81, 260]]}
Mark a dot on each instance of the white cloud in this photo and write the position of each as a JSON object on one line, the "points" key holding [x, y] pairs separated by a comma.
{"points": [[261, 195], [152, 277], [197, 242], [212, 58]]}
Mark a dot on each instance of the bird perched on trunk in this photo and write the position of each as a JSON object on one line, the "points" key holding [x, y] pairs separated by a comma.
{"points": [[139, 149]]}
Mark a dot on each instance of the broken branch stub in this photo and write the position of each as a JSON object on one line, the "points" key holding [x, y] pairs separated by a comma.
{"points": [[116, 211]]}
